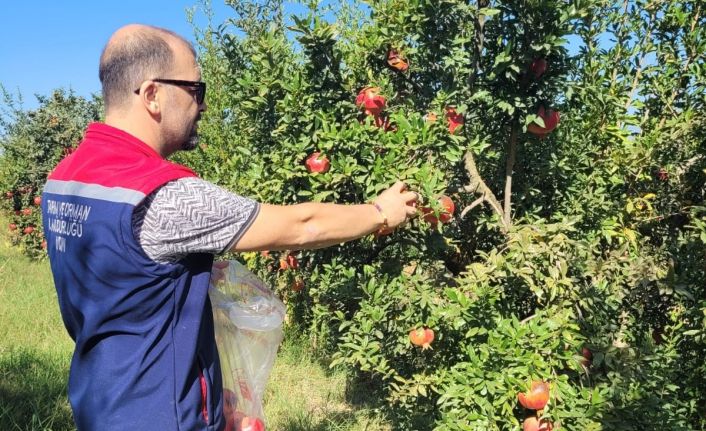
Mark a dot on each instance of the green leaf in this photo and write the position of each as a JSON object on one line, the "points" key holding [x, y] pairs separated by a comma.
{"points": [[488, 11]]}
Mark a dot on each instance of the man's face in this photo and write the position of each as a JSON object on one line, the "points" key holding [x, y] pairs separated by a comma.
{"points": [[180, 127]]}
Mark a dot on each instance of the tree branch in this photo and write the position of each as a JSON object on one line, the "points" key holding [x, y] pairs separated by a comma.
{"points": [[478, 47], [474, 204], [477, 185], [509, 167], [527, 319]]}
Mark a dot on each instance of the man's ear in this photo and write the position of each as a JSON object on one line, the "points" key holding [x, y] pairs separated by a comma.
{"points": [[149, 96]]}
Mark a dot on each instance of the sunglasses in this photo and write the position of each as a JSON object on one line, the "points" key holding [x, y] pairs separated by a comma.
{"points": [[198, 87]]}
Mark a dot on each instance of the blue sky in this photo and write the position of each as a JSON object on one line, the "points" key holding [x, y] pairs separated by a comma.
{"points": [[49, 44]]}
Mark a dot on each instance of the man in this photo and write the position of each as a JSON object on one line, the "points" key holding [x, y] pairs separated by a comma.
{"points": [[132, 237]]}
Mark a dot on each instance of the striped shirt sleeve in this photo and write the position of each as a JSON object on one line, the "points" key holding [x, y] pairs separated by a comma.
{"points": [[190, 215]]}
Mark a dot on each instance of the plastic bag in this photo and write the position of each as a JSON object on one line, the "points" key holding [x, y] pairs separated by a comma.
{"points": [[248, 321]]}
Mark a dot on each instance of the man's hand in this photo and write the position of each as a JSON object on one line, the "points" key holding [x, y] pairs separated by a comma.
{"points": [[397, 204]]}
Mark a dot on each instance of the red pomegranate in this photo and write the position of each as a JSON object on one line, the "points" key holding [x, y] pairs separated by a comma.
{"points": [[454, 118], [534, 424], [371, 101], [537, 397], [538, 67], [551, 120], [250, 423], [446, 214], [421, 337], [317, 163], [397, 61]]}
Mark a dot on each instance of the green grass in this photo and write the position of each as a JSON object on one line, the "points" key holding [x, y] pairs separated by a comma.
{"points": [[303, 395], [35, 352]]}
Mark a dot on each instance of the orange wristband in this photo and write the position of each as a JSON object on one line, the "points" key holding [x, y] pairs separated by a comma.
{"points": [[384, 217]]}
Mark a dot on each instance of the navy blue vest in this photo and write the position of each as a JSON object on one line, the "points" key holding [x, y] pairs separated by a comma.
{"points": [[145, 356]]}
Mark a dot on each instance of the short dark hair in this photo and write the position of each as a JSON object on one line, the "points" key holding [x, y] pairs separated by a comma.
{"points": [[142, 55]]}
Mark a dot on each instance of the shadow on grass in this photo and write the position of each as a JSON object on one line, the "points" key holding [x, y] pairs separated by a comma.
{"points": [[33, 392], [364, 392]]}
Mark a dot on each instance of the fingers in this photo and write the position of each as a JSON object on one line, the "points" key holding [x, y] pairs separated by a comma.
{"points": [[410, 196], [399, 186], [220, 264], [411, 211]]}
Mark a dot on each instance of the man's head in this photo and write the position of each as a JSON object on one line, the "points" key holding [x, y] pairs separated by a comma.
{"points": [[151, 87]]}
